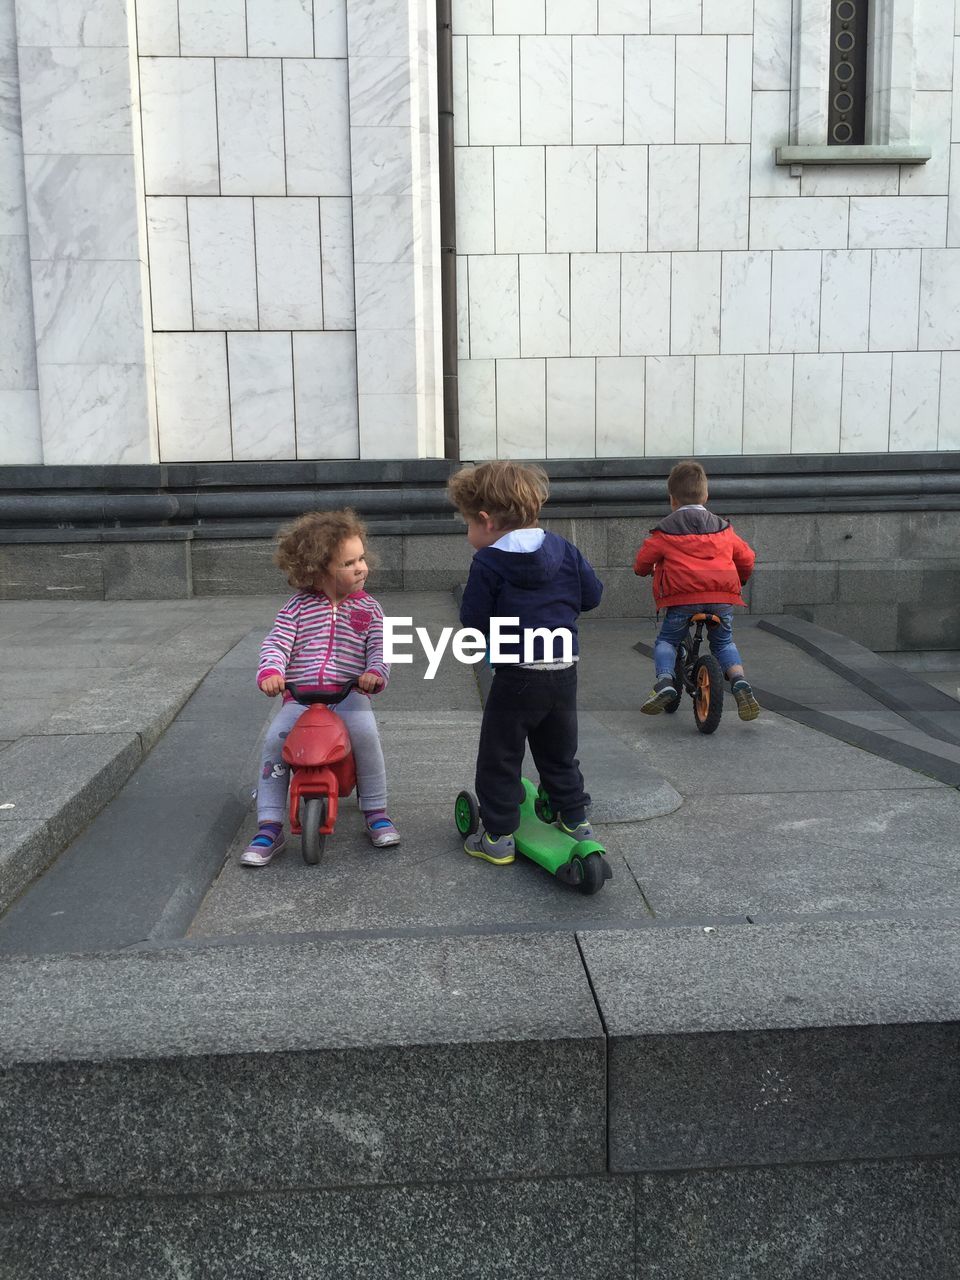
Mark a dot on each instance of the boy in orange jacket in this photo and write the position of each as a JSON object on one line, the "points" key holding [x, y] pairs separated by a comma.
{"points": [[699, 565]]}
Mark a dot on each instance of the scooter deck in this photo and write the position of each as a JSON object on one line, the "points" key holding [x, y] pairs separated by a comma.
{"points": [[546, 845]]}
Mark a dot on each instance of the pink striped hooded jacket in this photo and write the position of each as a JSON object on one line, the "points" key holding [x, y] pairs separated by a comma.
{"points": [[321, 645]]}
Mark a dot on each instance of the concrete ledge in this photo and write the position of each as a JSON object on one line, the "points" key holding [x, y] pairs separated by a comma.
{"points": [[855, 154], [59, 781], [237, 1069], [773, 1044], [56, 784], [923, 705], [531, 1230], [861, 1221]]}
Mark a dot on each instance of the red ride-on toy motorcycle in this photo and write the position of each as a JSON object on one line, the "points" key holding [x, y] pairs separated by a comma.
{"points": [[318, 751]]}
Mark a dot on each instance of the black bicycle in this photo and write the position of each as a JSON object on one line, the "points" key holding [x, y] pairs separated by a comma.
{"points": [[699, 675]]}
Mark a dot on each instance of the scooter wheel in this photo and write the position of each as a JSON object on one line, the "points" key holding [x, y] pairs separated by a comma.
{"points": [[466, 814], [595, 872], [313, 815], [543, 808]]}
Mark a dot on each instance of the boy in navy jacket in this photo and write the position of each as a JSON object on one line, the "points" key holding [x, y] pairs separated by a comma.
{"points": [[520, 571]]}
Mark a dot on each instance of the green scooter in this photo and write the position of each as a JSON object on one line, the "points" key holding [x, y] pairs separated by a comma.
{"points": [[578, 863]]}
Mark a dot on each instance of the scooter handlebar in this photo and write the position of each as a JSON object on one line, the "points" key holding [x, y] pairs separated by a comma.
{"points": [[310, 698]]}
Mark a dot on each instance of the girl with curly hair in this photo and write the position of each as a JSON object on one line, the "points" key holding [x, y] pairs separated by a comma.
{"points": [[328, 632]]}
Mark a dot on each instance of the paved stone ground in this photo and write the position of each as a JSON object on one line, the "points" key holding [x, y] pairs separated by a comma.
{"points": [[777, 819], [761, 821], [88, 689]]}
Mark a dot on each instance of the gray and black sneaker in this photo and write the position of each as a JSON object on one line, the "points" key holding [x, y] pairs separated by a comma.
{"points": [[748, 708], [500, 850], [664, 692], [580, 831]]}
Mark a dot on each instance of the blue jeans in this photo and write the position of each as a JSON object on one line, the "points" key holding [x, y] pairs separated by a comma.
{"points": [[673, 628]]}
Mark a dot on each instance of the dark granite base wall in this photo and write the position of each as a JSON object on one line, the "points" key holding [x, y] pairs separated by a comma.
{"points": [[890, 579], [895, 1220]]}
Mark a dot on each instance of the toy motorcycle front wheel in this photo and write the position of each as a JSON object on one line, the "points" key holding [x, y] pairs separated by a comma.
{"points": [[313, 815]]}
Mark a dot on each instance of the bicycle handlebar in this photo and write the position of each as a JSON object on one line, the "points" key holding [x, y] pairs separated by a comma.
{"points": [[309, 699]]}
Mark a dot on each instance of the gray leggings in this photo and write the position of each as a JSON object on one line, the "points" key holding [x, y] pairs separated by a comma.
{"points": [[357, 714]]}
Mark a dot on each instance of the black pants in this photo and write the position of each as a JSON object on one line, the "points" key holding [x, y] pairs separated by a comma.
{"points": [[539, 707]]}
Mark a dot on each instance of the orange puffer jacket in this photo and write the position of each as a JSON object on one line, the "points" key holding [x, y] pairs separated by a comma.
{"points": [[695, 558]]}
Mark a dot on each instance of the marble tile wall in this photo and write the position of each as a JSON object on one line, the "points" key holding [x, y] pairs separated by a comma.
{"points": [[246, 116], [633, 258], [635, 274], [71, 80]]}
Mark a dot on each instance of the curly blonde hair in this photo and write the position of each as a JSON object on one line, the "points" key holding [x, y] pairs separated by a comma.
{"points": [[306, 547], [511, 493]]}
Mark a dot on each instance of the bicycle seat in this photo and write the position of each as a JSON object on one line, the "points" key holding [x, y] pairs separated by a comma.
{"points": [[710, 619]]}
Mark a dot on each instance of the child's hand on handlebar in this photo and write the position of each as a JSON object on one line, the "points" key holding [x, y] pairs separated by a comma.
{"points": [[272, 686], [369, 683]]}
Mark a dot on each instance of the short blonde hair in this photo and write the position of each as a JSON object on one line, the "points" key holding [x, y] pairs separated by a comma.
{"points": [[511, 493], [687, 483], [306, 547]]}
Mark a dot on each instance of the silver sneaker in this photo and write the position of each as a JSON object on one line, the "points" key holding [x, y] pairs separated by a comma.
{"points": [[501, 852]]}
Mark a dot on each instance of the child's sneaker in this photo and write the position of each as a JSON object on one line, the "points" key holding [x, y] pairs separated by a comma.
{"points": [[581, 831], [664, 692], [748, 708], [500, 850], [268, 842], [381, 831]]}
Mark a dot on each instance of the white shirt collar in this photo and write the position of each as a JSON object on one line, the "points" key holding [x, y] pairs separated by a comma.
{"points": [[520, 540]]}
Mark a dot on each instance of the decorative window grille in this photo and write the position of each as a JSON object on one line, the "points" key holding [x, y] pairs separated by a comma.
{"points": [[846, 121], [852, 83]]}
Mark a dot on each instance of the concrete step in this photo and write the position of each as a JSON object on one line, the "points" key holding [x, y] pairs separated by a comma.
{"points": [[508, 1107]]}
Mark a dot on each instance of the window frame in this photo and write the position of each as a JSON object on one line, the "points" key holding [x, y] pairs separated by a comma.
{"points": [[890, 87]]}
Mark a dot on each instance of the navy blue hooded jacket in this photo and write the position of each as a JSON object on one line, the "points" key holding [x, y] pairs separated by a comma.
{"points": [[549, 587]]}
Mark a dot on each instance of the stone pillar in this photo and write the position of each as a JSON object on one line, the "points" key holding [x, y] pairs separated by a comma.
{"points": [[394, 159], [19, 398], [84, 183], [891, 74], [810, 72]]}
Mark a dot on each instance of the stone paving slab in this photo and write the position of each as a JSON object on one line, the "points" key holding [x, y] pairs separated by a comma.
{"points": [[767, 756], [427, 883], [299, 1066], [803, 852], [773, 1044]]}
